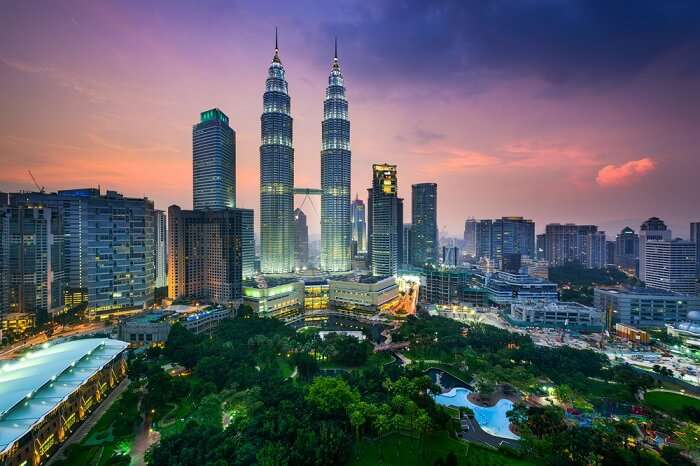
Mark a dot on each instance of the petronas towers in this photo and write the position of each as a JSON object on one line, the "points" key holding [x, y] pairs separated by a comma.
{"points": [[277, 175]]}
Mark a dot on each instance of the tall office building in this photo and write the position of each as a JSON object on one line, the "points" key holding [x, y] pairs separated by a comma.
{"points": [[575, 243], [424, 221], [35, 274], [205, 253], [627, 249], [470, 236], [651, 230], [276, 174], [384, 223], [450, 256], [359, 228], [336, 230], [301, 241], [401, 252], [671, 265], [213, 161], [160, 241], [695, 238], [108, 245]]}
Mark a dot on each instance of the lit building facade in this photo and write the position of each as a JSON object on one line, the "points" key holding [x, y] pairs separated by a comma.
{"points": [[695, 238], [424, 222], [213, 162], [160, 243], [645, 307], [359, 227], [470, 236], [336, 229], [385, 223], [205, 253], [559, 314], [108, 245], [671, 265], [276, 174], [505, 235], [365, 295]]}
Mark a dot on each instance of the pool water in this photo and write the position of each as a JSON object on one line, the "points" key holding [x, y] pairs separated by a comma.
{"points": [[492, 419]]}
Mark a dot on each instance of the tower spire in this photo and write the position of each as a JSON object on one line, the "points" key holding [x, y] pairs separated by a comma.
{"points": [[276, 58], [336, 64]]}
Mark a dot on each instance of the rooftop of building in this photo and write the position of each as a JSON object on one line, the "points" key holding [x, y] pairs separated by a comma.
{"points": [[559, 305], [33, 385], [644, 291]]}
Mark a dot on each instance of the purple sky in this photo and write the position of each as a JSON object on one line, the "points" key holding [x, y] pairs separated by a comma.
{"points": [[578, 111]]}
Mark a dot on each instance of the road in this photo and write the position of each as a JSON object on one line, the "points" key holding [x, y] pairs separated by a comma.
{"points": [[90, 422], [70, 331]]}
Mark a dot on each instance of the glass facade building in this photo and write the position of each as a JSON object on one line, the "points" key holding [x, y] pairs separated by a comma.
{"points": [[424, 224], [301, 241], [276, 174], [335, 176], [213, 162]]}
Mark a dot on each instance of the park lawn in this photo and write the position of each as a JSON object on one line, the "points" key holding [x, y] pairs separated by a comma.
{"points": [[672, 403], [597, 391], [398, 450], [172, 422]]}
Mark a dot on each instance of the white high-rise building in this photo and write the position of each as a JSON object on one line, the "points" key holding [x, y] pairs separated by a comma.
{"points": [[653, 229], [670, 265], [160, 227]]}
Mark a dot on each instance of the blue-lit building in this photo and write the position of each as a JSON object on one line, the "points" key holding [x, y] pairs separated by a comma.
{"points": [[335, 175], [276, 174], [108, 245], [424, 224], [213, 162]]}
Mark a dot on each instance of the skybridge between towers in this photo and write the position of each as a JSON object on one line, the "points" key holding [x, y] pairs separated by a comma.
{"points": [[307, 192]]}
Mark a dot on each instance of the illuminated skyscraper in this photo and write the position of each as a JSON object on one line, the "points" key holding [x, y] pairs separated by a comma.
{"points": [[335, 175], [385, 221], [359, 229], [276, 174], [301, 242], [213, 161]]}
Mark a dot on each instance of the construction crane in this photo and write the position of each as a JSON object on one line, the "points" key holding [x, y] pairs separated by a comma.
{"points": [[40, 188]]}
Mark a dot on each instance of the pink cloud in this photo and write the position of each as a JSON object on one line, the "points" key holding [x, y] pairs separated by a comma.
{"points": [[628, 172]]}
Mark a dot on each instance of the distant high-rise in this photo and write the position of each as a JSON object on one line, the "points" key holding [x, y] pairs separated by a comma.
{"points": [[384, 224], [276, 174], [401, 253], [359, 228], [652, 229], [301, 241], [695, 238], [160, 241], [336, 230], [450, 256], [505, 235], [627, 249], [541, 247], [205, 253], [213, 161], [575, 243], [470, 236], [4, 254], [671, 265], [424, 221]]}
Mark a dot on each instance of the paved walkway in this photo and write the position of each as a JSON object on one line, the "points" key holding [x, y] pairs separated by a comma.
{"points": [[90, 422]]}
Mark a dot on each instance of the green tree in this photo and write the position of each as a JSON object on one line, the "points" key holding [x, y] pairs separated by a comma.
{"points": [[331, 395]]}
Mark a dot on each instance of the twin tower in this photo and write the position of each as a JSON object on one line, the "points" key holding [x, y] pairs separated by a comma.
{"points": [[277, 174]]}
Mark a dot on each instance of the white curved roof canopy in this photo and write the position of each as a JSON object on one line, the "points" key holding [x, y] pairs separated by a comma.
{"points": [[33, 385]]}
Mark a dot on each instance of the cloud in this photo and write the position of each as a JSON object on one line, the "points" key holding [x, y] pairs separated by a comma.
{"points": [[627, 173]]}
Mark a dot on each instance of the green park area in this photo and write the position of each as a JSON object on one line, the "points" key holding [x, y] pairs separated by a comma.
{"points": [[672, 403], [259, 392], [436, 448]]}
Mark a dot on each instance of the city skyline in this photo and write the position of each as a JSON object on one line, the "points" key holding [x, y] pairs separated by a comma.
{"points": [[514, 121]]}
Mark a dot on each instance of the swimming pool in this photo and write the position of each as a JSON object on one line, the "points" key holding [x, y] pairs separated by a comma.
{"points": [[491, 419]]}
